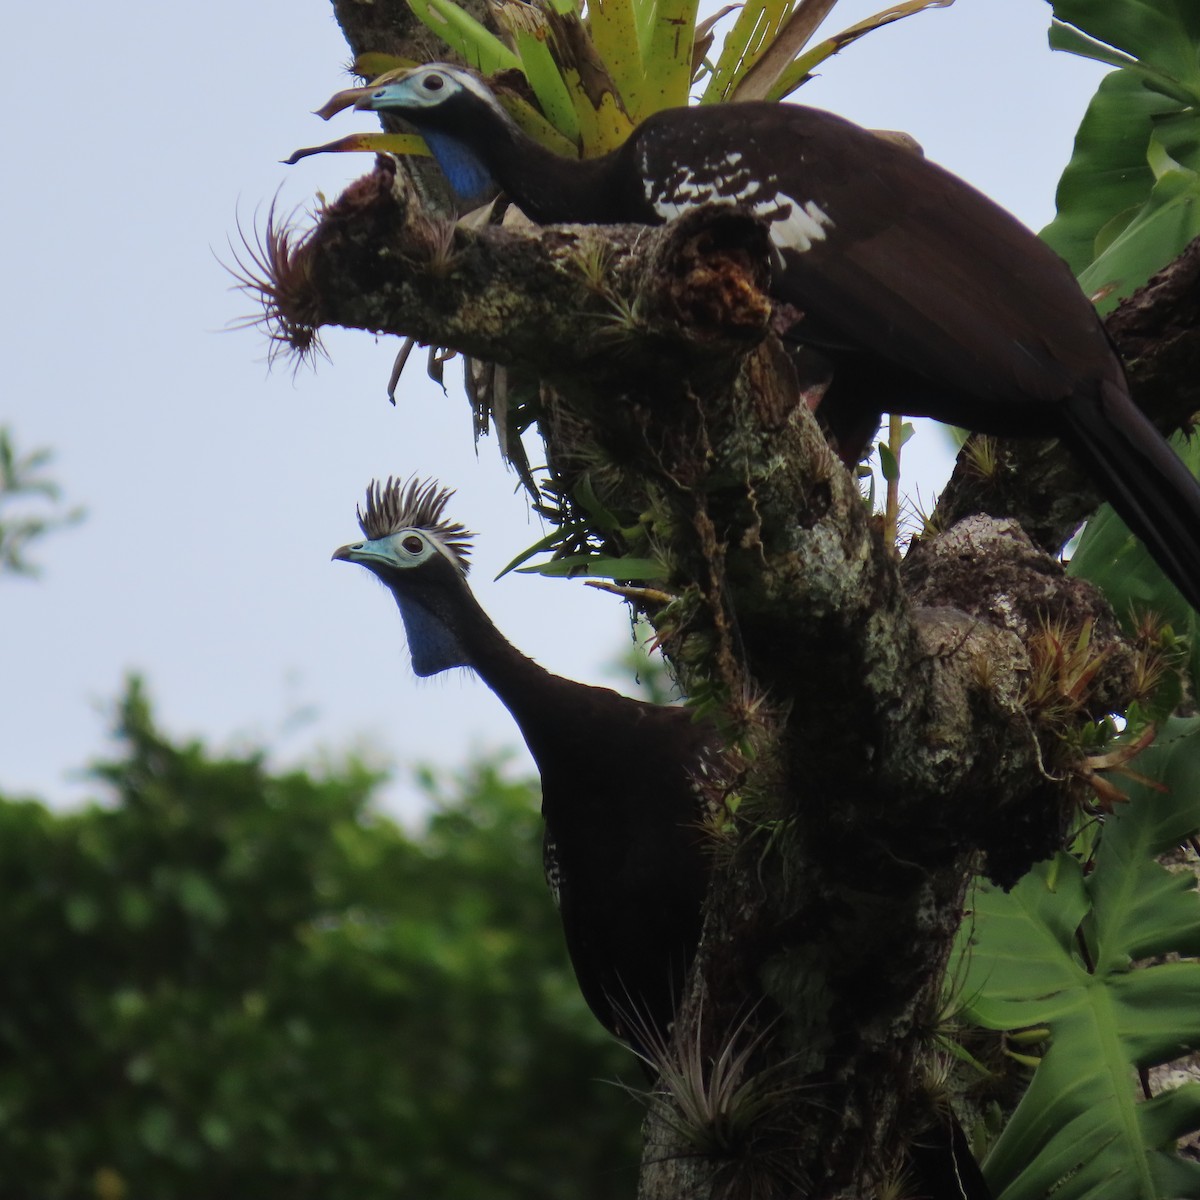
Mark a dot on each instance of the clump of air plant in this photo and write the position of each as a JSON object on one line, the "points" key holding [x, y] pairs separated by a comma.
{"points": [[985, 674], [593, 256], [272, 267], [982, 456], [895, 1183], [746, 806], [436, 248], [1063, 662], [727, 1107], [928, 521], [1159, 656], [624, 319]]}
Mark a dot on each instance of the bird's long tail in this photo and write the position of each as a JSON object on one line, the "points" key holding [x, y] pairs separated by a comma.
{"points": [[1146, 482]]}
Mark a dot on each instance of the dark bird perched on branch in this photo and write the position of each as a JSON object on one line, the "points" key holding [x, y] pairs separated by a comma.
{"points": [[622, 797], [928, 298], [623, 848]]}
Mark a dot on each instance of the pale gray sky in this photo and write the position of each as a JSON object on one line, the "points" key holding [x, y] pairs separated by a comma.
{"points": [[216, 490]]}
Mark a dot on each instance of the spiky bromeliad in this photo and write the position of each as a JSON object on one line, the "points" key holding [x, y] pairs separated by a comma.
{"points": [[623, 843], [928, 298]]}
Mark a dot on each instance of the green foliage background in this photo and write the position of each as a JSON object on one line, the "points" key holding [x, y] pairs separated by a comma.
{"points": [[224, 981]]}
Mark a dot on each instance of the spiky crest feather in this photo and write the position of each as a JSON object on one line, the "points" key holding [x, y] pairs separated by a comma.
{"points": [[419, 504]]}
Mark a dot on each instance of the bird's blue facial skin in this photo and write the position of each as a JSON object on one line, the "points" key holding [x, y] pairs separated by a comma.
{"points": [[433, 646], [391, 551], [405, 96]]}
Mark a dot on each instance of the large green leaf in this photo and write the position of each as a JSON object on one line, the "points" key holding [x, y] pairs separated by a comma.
{"points": [[1108, 175], [1057, 951], [1159, 231], [1162, 34], [1129, 200]]}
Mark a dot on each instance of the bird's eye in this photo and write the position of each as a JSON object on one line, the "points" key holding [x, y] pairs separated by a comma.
{"points": [[433, 83], [413, 544]]}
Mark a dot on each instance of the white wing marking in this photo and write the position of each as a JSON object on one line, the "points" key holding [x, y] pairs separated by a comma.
{"points": [[794, 226]]}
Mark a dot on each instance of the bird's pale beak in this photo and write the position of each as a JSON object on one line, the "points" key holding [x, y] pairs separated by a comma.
{"points": [[345, 553], [378, 94], [366, 97]]}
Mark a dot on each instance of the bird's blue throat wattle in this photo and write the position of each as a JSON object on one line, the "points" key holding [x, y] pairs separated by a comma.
{"points": [[471, 182], [434, 648]]}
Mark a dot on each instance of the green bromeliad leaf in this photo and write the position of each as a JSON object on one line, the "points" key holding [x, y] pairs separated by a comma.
{"points": [[600, 566], [669, 29], [617, 37], [474, 43], [531, 34], [756, 28], [596, 77], [371, 143], [536, 125]]}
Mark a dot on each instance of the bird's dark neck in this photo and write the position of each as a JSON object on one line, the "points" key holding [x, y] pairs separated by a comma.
{"points": [[530, 693], [548, 187]]}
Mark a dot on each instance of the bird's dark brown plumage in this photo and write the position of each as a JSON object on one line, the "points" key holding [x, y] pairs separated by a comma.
{"points": [[928, 298], [623, 814]]}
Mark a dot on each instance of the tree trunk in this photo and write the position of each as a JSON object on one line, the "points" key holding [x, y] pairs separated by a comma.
{"points": [[883, 744]]}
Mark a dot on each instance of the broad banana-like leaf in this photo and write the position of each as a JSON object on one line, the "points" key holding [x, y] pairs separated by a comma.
{"points": [[1129, 200], [1058, 951], [1159, 231], [1109, 176], [1161, 35], [1128, 203]]}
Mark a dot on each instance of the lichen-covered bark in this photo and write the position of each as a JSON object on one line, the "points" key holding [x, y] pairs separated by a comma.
{"points": [[883, 737]]}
